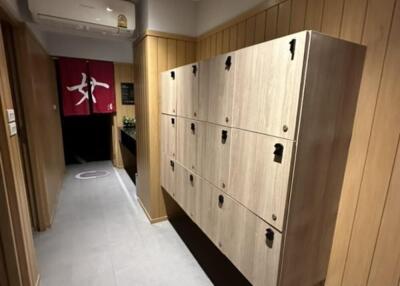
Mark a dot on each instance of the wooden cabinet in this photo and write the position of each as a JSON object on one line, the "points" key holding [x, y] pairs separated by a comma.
{"points": [[190, 134], [260, 167], [168, 92], [187, 79], [216, 87], [187, 187], [216, 150], [260, 175], [168, 135], [168, 174], [267, 90]]}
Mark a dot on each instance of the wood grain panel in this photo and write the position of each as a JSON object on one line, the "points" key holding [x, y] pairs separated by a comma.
{"points": [[187, 188], [298, 15], [250, 31], [314, 14], [354, 12], [219, 43], [332, 17], [168, 136], [187, 91], [385, 265], [168, 92], [181, 53], [168, 175], [225, 41], [271, 24], [283, 18], [241, 35], [190, 52], [379, 165], [260, 28], [172, 53], [213, 45], [233, 38]]}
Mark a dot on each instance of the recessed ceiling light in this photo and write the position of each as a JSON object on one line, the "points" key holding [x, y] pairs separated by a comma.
{"points": [[109, 9]]}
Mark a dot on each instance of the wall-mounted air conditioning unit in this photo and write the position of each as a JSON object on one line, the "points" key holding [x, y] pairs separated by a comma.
{"points": [[94, 16]]}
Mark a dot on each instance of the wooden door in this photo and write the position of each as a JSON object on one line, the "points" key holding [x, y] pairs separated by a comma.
{"points": [[268, 81], [216, 87], [190, 134], [168, 135], [187, 186], [216, 152], [187, 88], [260, 174], [208, 214], [168, 92], [252, 245], [168, 174]]}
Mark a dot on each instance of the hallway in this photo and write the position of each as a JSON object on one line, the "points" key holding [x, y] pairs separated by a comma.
{"points": [[101, 236]]}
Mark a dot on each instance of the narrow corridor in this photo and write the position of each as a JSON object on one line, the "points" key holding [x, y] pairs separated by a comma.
{"points": [[101, 236]]}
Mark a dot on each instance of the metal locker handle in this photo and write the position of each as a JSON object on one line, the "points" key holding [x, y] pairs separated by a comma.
{"points": [[292, 48], [269, 237], [228, 63], [193, 128], [194, 67], [172, 165], [224, 136], [220, 201], [173, 75], [173, 121], [278, 153], [191, 178]]}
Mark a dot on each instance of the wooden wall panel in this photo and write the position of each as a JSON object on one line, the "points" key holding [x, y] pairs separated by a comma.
{"points": [[122, 73], [37, 80], [260, 27], [368, 170], [155, 54]]}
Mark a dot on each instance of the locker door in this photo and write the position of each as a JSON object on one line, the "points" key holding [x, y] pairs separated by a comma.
{"points": [[188, 90], [251, 244], [187, 185], [208, 214], [268, 81], [215, 165], [168, 174], [168, 92], [190, 134], [260, 174], [216, 87], [168, 135]]}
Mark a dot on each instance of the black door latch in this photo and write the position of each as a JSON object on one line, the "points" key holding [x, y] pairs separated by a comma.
{"points": [[292, 48], [224, 136], [220, 200], [173, 121], [172, 165], [193, 128], [228, 63], [191, 179], [173, 75], [278, 153], [269, 237], [194, 67]]}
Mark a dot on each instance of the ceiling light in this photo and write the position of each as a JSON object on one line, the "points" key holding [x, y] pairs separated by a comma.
{"points": [[109, 9]]}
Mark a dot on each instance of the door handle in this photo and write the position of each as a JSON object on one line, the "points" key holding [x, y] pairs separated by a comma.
{"points": [[220, 201], [292, 48], [173, 75], [172, 165], [193, 128], [278, 153], [173, 121], [194, 69], [228, 63], [269, 237], [191, 179], [224, 136]]}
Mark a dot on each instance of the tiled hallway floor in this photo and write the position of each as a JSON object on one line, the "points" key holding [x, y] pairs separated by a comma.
{"points": [[101, 236]]}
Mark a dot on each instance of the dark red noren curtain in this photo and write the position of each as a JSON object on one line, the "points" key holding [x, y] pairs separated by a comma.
{"points": [[102, 86], [86, 83], [74, 84]]}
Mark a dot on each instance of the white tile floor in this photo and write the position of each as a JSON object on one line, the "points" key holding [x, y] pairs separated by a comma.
{"points": [[101, 236]]}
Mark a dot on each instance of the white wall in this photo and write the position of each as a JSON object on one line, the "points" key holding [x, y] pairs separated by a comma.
{"points": [[173, 16], [211, 13], [89, 48]]}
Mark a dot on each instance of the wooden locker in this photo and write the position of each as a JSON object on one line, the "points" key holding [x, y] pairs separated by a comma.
{"points": [[252, 245], [208, 214], [216, 152], [188, 90], [216, 87], [187, 186], [268, 79], [260, 174], [168, 135], [190, 134], [168, 92], [168, 174]]}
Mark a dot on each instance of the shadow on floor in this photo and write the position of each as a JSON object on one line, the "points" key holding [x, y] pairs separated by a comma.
{"points": [[214, 263]]}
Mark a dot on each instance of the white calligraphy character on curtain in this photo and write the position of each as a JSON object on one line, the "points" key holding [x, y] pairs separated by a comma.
{"points": [[85, 94]]}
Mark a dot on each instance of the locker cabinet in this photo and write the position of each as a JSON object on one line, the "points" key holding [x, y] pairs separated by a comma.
{"points": [[216, 87], [168, 174], [188, 91], [190, 134], [216, 150], [268, 80], [260, 167], [187, 186], [168, 135], [168, 92], [260, 175]]}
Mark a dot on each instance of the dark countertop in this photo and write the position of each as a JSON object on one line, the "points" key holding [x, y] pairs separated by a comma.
{"points": [[131, 132]]}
